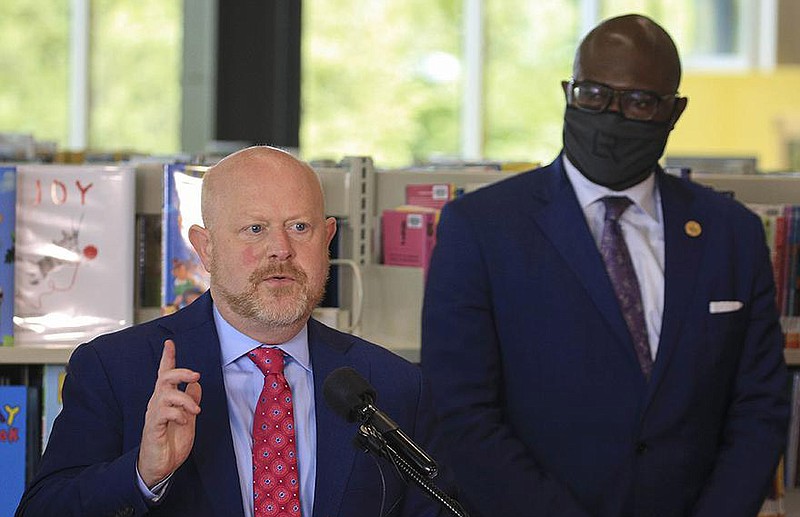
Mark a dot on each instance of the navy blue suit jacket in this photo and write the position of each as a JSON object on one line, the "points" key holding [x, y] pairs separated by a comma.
{"points": [[88, 468], [535, 374]]}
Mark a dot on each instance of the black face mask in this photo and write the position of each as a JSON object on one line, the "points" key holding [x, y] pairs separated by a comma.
{"points": [[611, 150]]}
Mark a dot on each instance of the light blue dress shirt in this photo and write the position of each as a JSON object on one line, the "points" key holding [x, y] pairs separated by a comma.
{"points": [[243, 383], [643, 229]]}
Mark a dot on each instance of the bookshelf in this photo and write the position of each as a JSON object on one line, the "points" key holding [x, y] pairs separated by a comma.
{"points": [[350, 186], [36, 354], [391, 301], [393, 321], [356, 193], [759, 188]]}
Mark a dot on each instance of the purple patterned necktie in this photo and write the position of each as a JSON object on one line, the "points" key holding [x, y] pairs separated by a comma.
{"points": [[623, 277]]}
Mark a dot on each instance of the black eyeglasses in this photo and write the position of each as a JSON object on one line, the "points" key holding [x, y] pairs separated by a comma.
{"points": [[633, 104]]}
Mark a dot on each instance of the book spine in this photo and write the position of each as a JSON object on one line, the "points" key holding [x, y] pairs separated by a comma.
{"points": [[8, 217]]}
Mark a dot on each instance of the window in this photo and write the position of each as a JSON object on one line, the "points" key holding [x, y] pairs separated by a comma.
{"points": [[529, 50], [393, 80], [129, 98], [135, 57], [381, 78], [732, 35], [387, 79], [33, 92]]}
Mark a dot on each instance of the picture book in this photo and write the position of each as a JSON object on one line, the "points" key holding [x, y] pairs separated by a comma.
{"points": [[431, 195], [408, 235], [183, 275], [8, 215], [13, 450], [74, 252], [53, 376]]}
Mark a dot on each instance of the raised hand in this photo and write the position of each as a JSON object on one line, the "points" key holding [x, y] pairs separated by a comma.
{"points": [[169, 423]]}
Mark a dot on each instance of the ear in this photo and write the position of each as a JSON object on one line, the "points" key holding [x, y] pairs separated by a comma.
{"points": [[330, 230], [677, 111], [567, 93], [201, 242]]}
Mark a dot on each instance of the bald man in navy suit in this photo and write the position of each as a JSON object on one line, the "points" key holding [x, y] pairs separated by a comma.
{"points": [[158, 418]]}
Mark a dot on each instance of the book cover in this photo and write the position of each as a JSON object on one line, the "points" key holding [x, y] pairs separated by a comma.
{"points": [[74, 252], [148, 260], [13, 446], [149, 222], [8, 216], [792, 259], [789, 320], [52, 383], [33, 433], [183, 276], [774, 220], [431, 195], [408, 236], [780, 262]]}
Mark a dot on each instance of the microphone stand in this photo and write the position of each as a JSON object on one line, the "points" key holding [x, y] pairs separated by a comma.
{"points": [[370, 439]]}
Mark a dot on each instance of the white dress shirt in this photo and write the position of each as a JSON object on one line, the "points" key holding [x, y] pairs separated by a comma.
{"points": [[243, 383], [643, 229]]}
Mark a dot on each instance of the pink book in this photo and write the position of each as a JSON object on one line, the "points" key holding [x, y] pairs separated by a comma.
{"points": [[432, 195], [408, 236]]}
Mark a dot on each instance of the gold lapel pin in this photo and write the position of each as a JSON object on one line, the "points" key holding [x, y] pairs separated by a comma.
{"points": [[693, 228]]}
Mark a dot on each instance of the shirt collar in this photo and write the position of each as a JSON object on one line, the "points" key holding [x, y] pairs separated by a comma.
{"points": [[233, 344], [643, 194]]}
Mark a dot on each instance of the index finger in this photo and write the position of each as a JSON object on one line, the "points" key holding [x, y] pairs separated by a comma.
{"points": [[167, 357]]}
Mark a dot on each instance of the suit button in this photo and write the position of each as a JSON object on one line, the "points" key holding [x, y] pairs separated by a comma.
{"points": [[641, 448]]}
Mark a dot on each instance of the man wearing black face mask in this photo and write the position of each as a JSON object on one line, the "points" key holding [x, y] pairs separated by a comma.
{"points": [[622, 103], [601, 338]]}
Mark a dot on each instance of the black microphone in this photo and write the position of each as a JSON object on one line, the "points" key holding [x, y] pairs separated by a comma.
{"points": [[352, 398]]}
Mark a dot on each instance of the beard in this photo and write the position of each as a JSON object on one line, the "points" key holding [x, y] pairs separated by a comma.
{"points": [[281, 306]]}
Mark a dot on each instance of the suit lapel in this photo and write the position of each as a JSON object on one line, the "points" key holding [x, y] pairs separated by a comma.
{"points": [[335, 449], [683, 253], [562, 220], [197, 348]]}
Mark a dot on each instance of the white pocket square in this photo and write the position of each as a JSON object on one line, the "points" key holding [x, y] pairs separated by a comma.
{"points": [[724, 306]]}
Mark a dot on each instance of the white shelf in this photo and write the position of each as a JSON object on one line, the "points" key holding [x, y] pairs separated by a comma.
{"points": [[392, 308], [36, 354], [755, 188], [48, 353]]}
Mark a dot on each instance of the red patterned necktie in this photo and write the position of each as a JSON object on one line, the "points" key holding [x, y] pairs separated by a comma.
{"points": [[276, 484], [623, 277]]}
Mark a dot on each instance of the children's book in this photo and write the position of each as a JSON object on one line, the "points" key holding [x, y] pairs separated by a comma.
{"points": [[184, 277], [74, 252], [8, 215], [13, 450], [408, 235], [53, 377]]}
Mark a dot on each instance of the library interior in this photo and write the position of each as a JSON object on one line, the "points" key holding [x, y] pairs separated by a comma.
{"points": [[117, 109]]}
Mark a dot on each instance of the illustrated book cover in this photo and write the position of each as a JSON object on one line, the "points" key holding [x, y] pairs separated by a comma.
{"points": [[74, 252]]}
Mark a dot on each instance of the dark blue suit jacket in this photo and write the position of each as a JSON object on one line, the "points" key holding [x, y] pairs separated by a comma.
{"points": [[535, 374], [88, 468]]}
